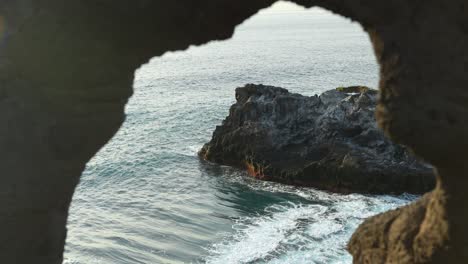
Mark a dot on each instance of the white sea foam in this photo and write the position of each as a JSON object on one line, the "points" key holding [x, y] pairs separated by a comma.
{"points": [[262, 237], [300, 233]]}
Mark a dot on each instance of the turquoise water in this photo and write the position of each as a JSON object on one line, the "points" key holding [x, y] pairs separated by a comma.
{"points": [[147, 198]]}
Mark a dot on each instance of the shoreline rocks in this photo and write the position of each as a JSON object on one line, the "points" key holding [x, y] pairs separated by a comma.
{"points": [[330, 142]]}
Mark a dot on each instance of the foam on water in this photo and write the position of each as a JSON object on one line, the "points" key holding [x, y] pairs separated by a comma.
{"points": [[301, 233], [262, 237]]}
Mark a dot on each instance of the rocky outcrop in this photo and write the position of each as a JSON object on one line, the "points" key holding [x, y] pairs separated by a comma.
{"points": [[329, 141], [66, 71]]}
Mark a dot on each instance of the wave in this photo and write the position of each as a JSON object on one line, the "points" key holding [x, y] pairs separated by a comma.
{"points": [[298, 232]]}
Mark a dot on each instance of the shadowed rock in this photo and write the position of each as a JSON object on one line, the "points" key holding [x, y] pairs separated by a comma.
{"points": [[329, 141]]}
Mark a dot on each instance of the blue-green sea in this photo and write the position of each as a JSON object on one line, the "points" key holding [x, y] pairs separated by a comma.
{"points": [[147, 198]]}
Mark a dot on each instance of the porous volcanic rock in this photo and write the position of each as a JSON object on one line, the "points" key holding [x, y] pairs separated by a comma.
{"points": [[329, 141]]}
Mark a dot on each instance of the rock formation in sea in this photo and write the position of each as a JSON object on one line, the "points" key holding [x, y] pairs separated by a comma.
{"points": [[66, 72], [329, 141]]}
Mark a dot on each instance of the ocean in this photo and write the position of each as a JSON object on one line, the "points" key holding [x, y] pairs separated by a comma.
{"points": [[147, 198]]}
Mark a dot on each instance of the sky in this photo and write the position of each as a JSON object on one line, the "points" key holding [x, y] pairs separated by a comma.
{"points": [[285, 6]]}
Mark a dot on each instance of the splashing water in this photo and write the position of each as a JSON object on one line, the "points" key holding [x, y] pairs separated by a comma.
{"points": [[301, 233]]}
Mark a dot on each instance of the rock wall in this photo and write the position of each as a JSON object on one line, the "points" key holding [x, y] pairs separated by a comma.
{"points": [[66, 71]]}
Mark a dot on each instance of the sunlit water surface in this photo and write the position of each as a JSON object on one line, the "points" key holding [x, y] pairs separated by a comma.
{"points": [[147, 198]]}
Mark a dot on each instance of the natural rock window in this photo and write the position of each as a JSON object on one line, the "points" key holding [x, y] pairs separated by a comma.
{"points": [[66, 73], [149, 198]]}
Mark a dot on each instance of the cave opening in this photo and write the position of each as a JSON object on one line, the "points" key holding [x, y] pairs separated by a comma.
{"points": [[147, 198]]}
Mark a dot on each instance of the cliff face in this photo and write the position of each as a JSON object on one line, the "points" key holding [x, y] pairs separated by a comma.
{"points": [[66, 70], [329, 141]]}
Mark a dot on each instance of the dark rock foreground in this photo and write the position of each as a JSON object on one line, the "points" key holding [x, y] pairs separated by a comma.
{"points": [[67, 69], [329, 142]]}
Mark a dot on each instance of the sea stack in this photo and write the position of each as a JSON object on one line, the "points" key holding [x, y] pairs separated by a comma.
{"points": [[330, 142]]}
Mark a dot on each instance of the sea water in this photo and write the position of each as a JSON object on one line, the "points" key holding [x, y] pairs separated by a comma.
{"points": [[147, 198]]}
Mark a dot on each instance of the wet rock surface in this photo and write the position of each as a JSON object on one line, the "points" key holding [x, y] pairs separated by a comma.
{"points": [[330, 141]]}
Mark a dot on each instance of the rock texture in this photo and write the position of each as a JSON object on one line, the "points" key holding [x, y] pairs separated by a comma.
{"points": [[329, 141], [66, 70]]}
